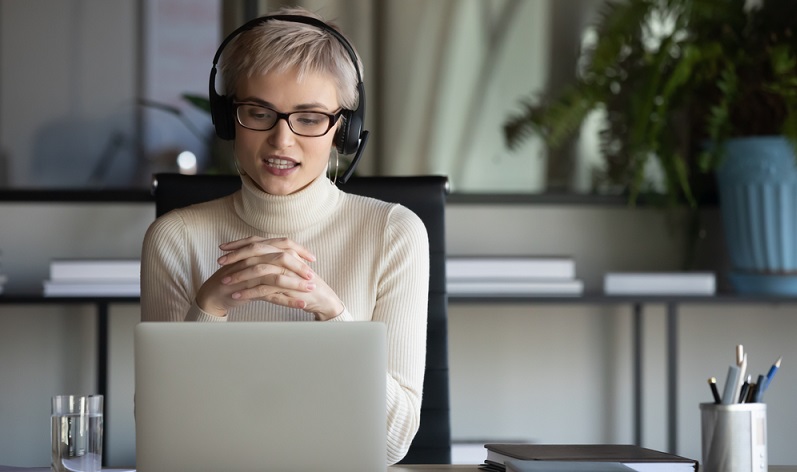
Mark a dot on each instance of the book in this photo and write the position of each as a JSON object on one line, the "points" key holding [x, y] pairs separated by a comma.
{"points": [[635, 457], [94, 269], [517, 287], [518, 465], [659, 283], [504, 267], [92, 289]]}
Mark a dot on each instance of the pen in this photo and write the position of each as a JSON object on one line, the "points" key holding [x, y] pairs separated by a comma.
{"points": [[712, 382], [729, 393], [739, 354], [759, 388], [743, 392], [751, 393], [740, 378]]}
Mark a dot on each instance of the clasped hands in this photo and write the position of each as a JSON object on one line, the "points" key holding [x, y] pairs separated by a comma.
{"points": [[274, 270]]}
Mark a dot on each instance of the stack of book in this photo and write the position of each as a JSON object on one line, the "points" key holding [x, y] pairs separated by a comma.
{"points": [[93, 278], [659, 283], [582, 457], [512, 276]]}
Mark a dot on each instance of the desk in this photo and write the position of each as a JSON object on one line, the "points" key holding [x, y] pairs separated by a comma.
{"points": [[395, 468], [434, 468], [475, 468]]}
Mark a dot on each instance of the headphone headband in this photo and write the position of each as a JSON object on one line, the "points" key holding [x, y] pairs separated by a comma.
{"points": [[307, 20], [349, 139]]}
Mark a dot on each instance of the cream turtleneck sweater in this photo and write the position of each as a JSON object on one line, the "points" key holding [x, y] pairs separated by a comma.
{"points": [[373, 254]]}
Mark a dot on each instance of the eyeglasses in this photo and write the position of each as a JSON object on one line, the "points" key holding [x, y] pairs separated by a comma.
{"points": [[311, 124]]}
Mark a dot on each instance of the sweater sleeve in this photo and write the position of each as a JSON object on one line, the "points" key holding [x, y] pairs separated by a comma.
{"points": [[402, 296], [165, 277]]}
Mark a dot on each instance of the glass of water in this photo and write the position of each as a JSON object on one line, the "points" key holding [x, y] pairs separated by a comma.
{"points": [[76, 432]]}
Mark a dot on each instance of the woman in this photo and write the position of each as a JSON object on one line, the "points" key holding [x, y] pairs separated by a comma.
{"points": [[290, 245]]}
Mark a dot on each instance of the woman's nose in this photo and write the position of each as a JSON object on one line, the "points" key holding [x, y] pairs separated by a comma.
{"points": [[281, 135]]}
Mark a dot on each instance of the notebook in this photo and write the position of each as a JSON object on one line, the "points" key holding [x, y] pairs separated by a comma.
{"points": [[637, 458], [287, 396]]}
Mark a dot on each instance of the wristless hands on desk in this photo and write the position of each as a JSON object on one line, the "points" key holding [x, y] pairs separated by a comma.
{"points": [[273, 270]]}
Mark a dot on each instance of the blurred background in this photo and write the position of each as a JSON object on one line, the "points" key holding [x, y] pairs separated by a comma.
{"points": [[91, 91]]}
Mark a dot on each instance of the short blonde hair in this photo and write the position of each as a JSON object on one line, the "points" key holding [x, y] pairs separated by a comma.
{"points": [[278, 46]]}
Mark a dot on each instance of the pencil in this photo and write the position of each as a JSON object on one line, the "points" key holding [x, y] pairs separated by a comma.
{"points": [[712, 382], [772, 371]]}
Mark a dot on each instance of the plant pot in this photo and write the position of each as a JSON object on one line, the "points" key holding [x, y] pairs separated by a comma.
{"points": [[758, 198]]}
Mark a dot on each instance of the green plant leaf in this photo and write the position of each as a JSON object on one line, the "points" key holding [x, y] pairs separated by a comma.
{"points": [[198, 101], [672, 76]]}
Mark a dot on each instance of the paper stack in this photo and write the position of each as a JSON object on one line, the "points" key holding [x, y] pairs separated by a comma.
{"points": [[511, 276], [93, 277], [660, 283]]}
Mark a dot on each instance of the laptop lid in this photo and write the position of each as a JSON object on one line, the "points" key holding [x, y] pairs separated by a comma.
{"points": [[292, 396]]}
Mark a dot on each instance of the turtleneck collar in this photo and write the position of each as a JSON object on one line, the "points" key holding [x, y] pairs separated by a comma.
{"points": [[285, 214]]}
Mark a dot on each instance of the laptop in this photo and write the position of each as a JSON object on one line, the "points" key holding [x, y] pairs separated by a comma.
{"points": [[283, 396]]}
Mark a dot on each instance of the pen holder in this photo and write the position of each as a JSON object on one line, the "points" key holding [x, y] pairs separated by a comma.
{"points": [[734, 437]]}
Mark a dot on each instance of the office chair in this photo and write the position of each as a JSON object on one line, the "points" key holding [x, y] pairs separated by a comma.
{"points": [[424, 195]]}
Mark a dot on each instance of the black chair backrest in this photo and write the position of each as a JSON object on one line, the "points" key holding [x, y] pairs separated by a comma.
{"points": [[424, 195]]}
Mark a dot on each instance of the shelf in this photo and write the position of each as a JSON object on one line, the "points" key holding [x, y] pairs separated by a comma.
{"points": [[37, 298], [76, 195], [625, 299]]}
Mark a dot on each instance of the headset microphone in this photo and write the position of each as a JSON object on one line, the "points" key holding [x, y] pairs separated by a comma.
{"points": [[350, 138]]}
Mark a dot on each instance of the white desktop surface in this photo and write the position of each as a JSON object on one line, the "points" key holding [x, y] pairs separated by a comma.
{"points": [[395, 468]]}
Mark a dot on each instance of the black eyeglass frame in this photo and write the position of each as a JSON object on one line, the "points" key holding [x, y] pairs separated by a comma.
{"points": [[333, 118]]}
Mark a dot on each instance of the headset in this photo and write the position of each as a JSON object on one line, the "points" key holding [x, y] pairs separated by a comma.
{"points": [[350, 138]]}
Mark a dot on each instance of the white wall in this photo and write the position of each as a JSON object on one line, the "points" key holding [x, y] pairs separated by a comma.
{"points": [[67, 91], [552, 373]]}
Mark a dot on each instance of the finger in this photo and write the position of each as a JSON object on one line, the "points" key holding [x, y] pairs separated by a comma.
{"points": [[238, 243], [294, 248], [267, 275], [280, 297], [279, 263], [282, 243], [284, 264], [254, 246]]}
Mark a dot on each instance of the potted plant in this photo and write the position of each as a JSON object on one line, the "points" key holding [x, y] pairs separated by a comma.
{"points": [[696, 87]]}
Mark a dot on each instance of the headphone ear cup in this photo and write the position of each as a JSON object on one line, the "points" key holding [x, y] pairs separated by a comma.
{"points": [[354, 129], [342, 133], [221, 112], [355, 122]]}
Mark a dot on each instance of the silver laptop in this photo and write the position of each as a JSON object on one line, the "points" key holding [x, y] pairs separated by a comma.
{"points": [[234, 397]]}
